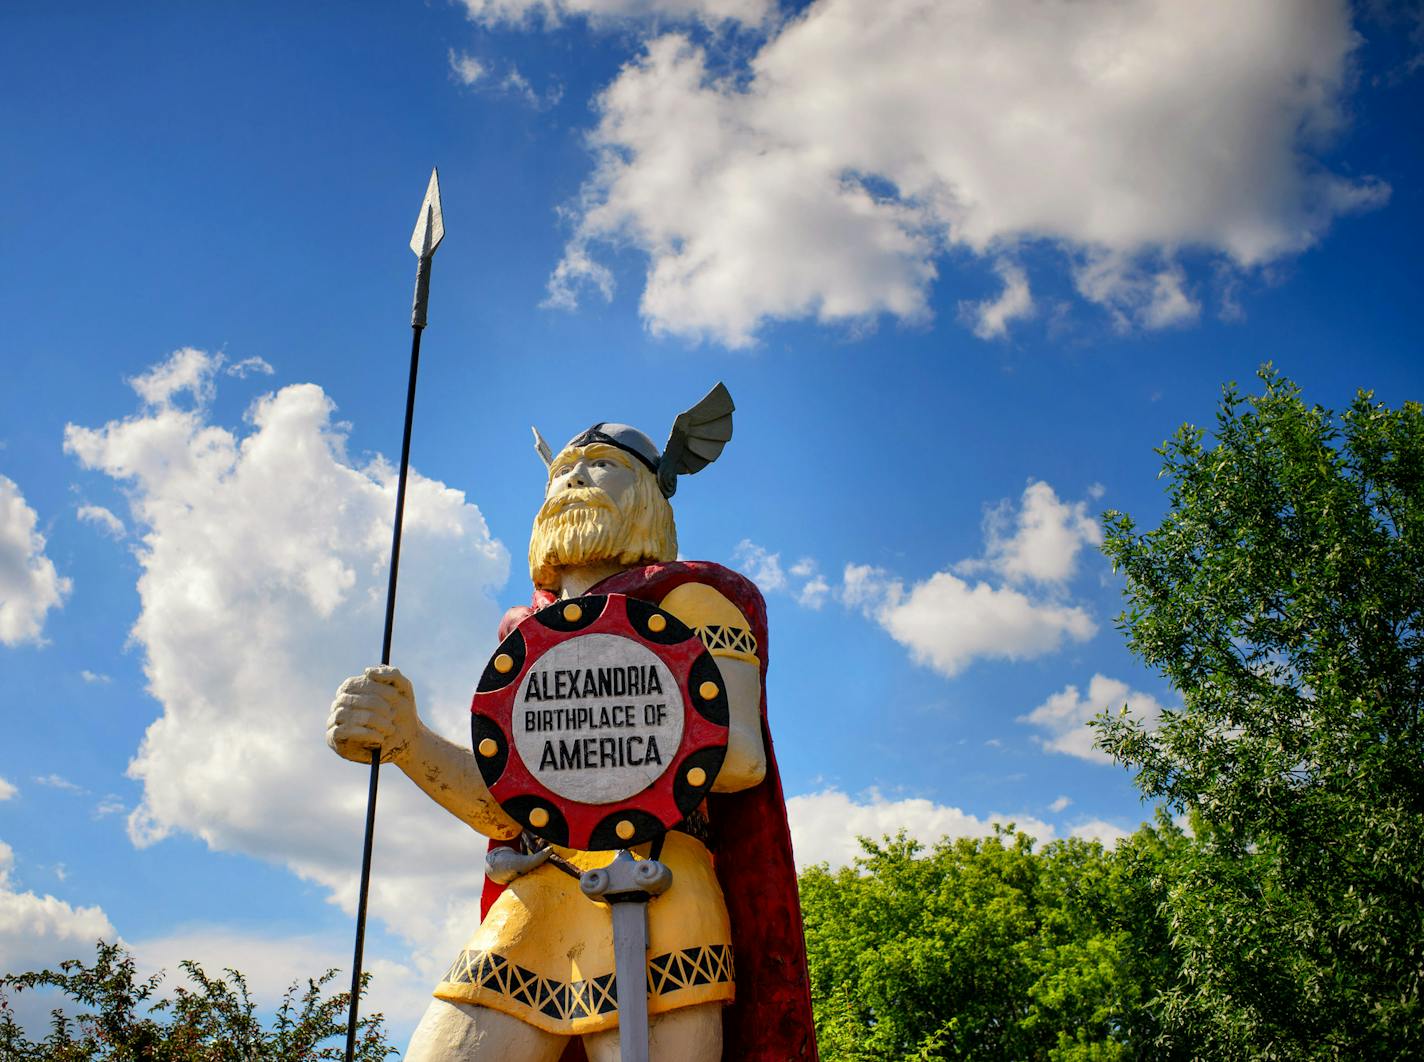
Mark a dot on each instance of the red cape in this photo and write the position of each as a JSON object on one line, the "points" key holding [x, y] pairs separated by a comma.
{"points": [[751, 843]]}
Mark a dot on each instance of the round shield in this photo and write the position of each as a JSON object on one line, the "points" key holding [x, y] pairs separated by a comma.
{"points": [[600, 722]]}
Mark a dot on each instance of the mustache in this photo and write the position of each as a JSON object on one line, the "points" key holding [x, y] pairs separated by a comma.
{"points": [[577, 497]]}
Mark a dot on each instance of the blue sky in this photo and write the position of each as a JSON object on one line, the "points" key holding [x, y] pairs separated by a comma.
{"points": [[961, 266]]}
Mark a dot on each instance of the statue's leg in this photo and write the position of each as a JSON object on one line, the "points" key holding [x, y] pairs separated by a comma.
{"points": [[462, 1032], [688, 1034]]}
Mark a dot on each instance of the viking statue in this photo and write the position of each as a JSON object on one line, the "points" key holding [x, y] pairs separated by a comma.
{"points": [[726, 959]]}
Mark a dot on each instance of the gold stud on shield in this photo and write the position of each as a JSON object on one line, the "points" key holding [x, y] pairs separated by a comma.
{"points": [[624, 829], [503, 663], [656, 623], [538, 818], [572, 613], [708, 690], [488, 747], [696, 777]]}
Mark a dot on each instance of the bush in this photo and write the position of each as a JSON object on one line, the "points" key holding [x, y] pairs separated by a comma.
{"points": [[206, 1020]]}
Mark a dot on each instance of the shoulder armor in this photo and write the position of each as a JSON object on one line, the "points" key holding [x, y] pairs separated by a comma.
{"points": [[720, 624]]}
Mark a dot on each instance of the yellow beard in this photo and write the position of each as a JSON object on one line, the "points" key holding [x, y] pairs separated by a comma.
{"points": [[568, 534], [636, 529]]}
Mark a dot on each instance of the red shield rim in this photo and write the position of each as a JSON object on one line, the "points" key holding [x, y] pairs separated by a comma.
{"points": [[665, 802]]}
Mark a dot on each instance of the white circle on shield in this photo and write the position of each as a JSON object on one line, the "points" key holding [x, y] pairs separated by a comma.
{"points": [[598, 718]]}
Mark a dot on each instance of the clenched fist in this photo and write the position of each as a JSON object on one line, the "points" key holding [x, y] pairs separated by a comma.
{"points": [[373, 710]]}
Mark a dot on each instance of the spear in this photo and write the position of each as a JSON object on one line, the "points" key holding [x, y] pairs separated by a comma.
{"points": [[429, 231]]}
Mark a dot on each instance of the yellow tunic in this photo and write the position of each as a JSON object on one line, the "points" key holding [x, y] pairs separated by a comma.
{"points": [[544, 952]]}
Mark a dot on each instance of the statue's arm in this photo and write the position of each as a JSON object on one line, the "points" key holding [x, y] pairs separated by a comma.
{"points": [[728, 637], [376, 709], [449, 775], [745, 764]]}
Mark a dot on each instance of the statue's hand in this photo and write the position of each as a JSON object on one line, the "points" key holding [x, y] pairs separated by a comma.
{"points": [[505, 864], [373, 710]]}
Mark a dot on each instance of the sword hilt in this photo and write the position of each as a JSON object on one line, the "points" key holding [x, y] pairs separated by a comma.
{"points": [[626, 880]]}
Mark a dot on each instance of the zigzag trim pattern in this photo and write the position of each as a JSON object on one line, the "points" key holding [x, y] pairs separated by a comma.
{"points": [[563, 1001], [737, 640], [710, 964]]}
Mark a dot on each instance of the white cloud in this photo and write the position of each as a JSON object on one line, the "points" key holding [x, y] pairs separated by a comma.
{"points": [[863, 141], [576, 268], [1060, 804], [1134, 293], [110, 805], [94, 678], [1063, 718], [57, 781], [29, 584], [263, 570], [551, 12], [1040, 542], [946, 623], [738, 229], [814, 592], [759, 565], [102, 518], [1170, 304], [466, 67], [40, 931], [802, 580], [242, 369], [469, 71], [825, 825], [1106, 833], [186, 371], [990, 318], [516, 84], [7, 789]]}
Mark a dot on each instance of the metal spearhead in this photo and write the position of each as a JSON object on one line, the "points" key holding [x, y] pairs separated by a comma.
{"points": [[429, 231], [430, 228]]}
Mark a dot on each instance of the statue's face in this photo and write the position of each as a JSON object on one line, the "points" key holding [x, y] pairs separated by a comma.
{"points": [[600, 505], [605, 467]]}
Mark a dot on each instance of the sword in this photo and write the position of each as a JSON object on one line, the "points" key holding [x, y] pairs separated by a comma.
{"points": [[626, 885]]}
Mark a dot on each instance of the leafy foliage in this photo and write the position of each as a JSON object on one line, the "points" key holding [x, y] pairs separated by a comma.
{"points": [[1281, 595], [989, 949], [207, 1020]]}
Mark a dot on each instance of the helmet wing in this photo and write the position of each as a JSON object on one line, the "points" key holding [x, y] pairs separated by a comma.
{"points": [[697, 438]]}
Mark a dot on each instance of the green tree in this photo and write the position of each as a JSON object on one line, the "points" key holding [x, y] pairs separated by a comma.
{"points": [[989, 949], [125, 1019], [1281, 596]]}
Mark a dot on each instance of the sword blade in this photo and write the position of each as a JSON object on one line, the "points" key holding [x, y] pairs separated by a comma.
{"points": [[630, 962]]}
